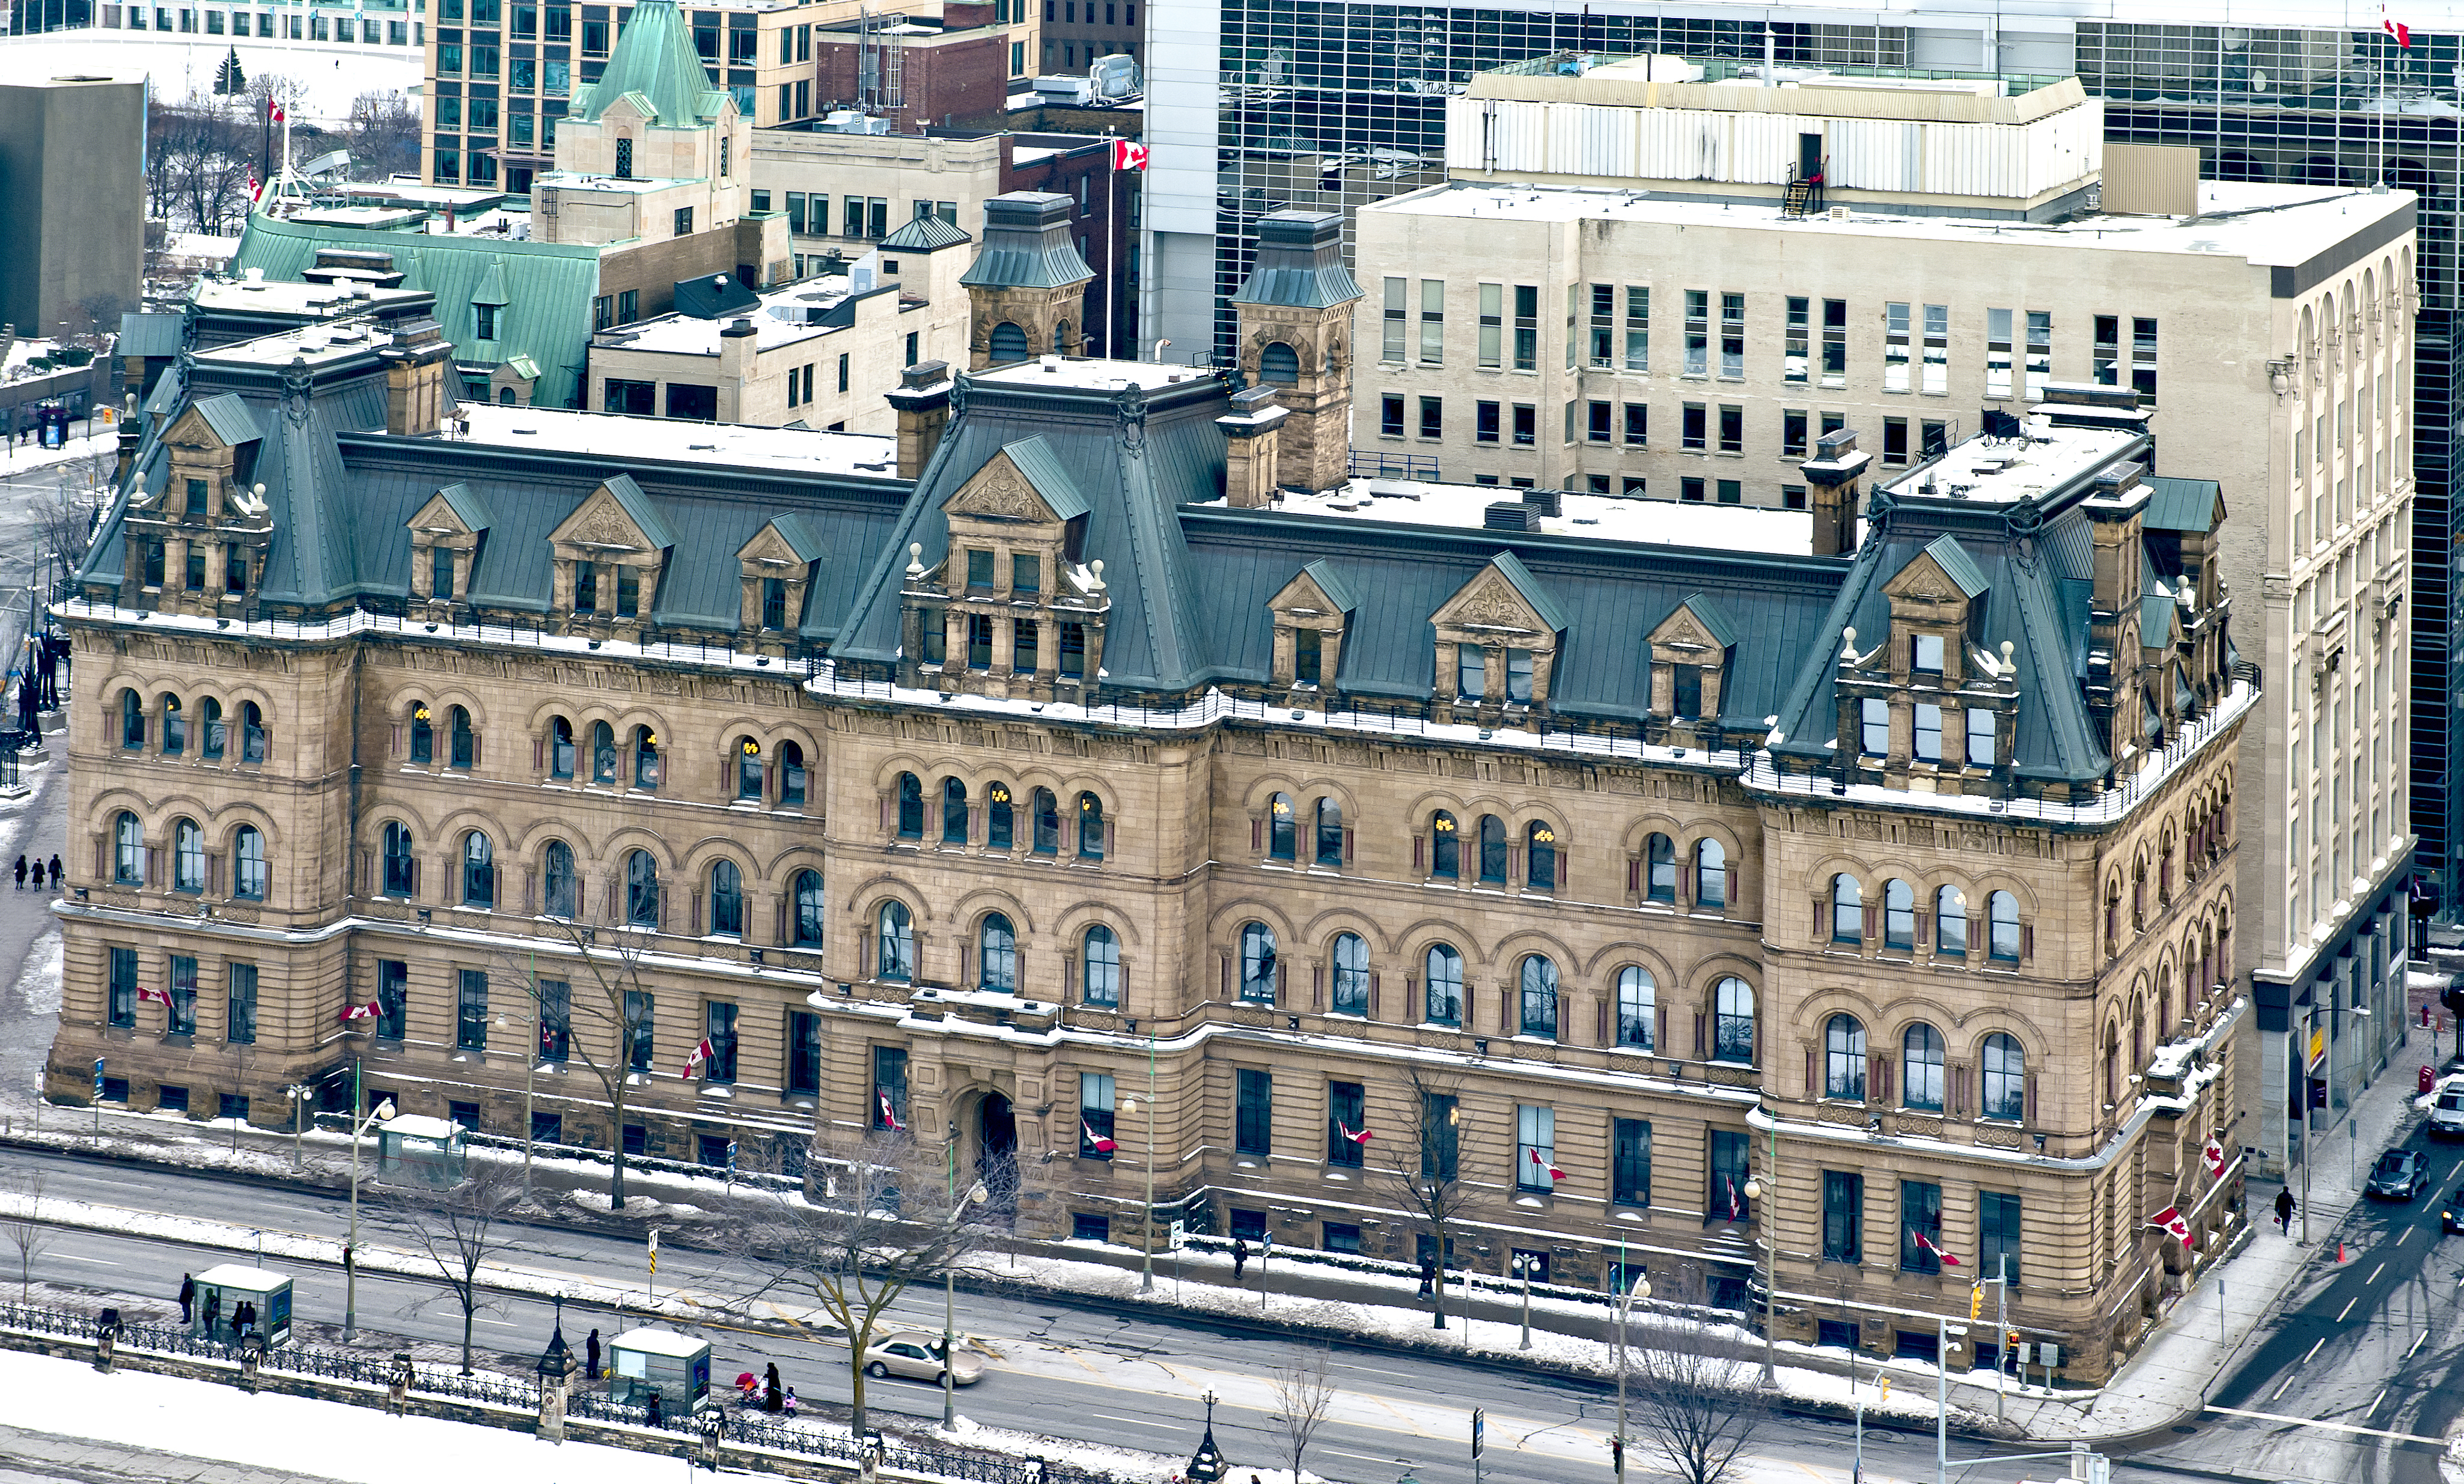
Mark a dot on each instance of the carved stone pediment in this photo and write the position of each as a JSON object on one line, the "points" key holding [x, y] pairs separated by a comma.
{"points": [[1491, 603], [998, 491], [601, 524]]}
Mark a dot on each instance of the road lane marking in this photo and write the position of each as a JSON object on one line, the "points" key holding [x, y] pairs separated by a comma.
{"points": [[2283, 1387], [2401, 1235], [2417, 1340], [2330, 1427], [2315, 1347], [1363, 1458], [2347, 1308], [2374, 1274], [1142, 1422], [73, 1257], [2372, 1409], [500, 1324]]}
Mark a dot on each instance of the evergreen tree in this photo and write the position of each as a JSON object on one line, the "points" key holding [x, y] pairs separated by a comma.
{"points": [[228, 81]]}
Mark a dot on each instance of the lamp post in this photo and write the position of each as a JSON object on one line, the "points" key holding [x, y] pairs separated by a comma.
{"points": [[1146, 1264], [351, 1244], [1947, 1338], [1523, 1264], [950, 1287], [530, 1072], [1763, 1215], [298, 1093], [1635, 1288]]}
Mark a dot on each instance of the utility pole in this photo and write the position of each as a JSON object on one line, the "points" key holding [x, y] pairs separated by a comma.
{"points": [[1146, 1264], [1946, 1337], [2001, 1325]]}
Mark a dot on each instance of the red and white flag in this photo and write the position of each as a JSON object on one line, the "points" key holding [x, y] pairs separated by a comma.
{"points": [[1925, 1243], [162, 997], [1555, 1174], [2397, 29], [1096, 1141], [274, 111], [700, 1058], [1736, 1208], [367, 1011], [1129, 155], [2170, 1220], [255, 190], [2214, 1155], [889, 1114], [1357, 1136]]}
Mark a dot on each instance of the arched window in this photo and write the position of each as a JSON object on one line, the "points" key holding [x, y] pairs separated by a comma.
{"points": [[132, 720], [1444, 998], [401, 867], [954, 810], [252, 733], [1258, 963], [1732, 1016], [1091, 827], [999, 943], [1493, 849], [461, 740], [897, 943], [1101, 976], [250, 876], [423, 735], [1329, 832], [1540, 855], [805, 931], [478, 870], [2002, 918], [1445, 847], [128, 850], [188, 855], [911, 807], [1008, 343], [1920, 1068], [1000, 818], [2005, 1078], [1539, 978], [1638, 1009], [1279, 365], [640, 889], [1281, 843], [559, 749], [603, 752], [1898, 914], [1659, 878], [1046, 822], [1847, 909], [791, 775], [726, 900], [175, 728], [1951, 920], [1843, 1058], [1710, 873], [215, 730], [646, 758], [562, 896], [748, 773], [1350, 975]]}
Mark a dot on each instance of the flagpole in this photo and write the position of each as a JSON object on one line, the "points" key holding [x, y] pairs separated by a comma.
{"points": [[1112, 168]]}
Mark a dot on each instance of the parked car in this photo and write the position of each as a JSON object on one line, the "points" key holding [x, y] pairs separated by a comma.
{"points": [[2451, 1218], [2397, 1176], [918, 1356], [2446, 1111]]}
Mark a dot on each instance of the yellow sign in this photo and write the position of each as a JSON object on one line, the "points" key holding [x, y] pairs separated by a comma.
{"points": [[2318, 1045]]}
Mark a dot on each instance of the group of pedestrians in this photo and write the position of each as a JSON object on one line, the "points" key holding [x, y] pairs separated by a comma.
{"points": [[243, 1316], [37, 869]]}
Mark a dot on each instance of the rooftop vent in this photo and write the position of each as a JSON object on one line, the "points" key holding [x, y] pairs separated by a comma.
{"points": [[1507, 516]]}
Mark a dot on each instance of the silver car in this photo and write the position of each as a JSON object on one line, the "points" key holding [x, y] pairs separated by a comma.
{"points": [[919, 1357]]}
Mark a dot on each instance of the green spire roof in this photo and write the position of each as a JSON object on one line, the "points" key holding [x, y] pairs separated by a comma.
{"points": [[654, 58]]}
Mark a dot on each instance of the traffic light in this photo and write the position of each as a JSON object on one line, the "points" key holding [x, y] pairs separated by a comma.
{"points": [[1975, 1302], [1886, 1389]]}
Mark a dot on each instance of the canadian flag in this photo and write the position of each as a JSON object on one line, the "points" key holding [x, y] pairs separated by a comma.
{"points": [[274, 111], [1129, 155], [1360, 1136], [1555, 1174], [1926, 1244], [1100, 1144], [700, 1058], [1736, 1208], [255, 190], [2214, 1155], [2397, 29], [2170, 1220], [367, 1011], [889, 1114], [162, 997]]}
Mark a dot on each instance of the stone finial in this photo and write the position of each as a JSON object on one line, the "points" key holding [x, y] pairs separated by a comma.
{"points": [[914, 562]]}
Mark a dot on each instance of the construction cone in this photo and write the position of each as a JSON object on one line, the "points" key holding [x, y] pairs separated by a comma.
{"points": [[2340, 1250]]}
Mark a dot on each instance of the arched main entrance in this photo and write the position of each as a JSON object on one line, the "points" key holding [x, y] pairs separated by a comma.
{"points": [[997, 1152]]}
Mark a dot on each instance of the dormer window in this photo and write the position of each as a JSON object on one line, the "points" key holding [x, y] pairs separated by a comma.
{"points": [[774, 603], [1015, 590], [485, 316], [1309, 615], [1875, 739], [1471, 672], [1025, 572], [1688, 691], [440, 573], [1927, 654], [1307, 655], [623, 159], [585, 587], [979, 570], [1518, 676], [628, 592]]}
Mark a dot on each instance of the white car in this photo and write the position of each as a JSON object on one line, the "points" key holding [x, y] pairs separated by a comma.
{"points": [[918, 1356], [2446, 1111]]}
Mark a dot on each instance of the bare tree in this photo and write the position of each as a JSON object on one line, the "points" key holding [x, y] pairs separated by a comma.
{"points": [[879, 1215], [603, 1015], [385, 136], [24, 1228], [458, 1229], [1695, 1401], [1306, 1389], [1425, 1169]]}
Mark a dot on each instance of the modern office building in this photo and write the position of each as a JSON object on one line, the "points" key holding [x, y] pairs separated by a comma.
{"points": [[72, 169]]}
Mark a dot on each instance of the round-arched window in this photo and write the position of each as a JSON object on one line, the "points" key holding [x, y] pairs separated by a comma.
{"points": [[999, 942], [726, 900], [1279, 364], [897, 943], [1007, 343]]}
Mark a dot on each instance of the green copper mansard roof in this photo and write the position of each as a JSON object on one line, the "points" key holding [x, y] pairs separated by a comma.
{"points": [[654, 58]]}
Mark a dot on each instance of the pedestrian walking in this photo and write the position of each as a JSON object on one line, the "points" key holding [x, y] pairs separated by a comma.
{"points": [[791, 1404], [1239, 1257], [774, 1395], [710, 1424], [38, 876], [590, 1358], [1428, 1278], [2284, 1211], [21, 873], [56, 868], [188, 1297], [213, 1313], [658, 1412]]}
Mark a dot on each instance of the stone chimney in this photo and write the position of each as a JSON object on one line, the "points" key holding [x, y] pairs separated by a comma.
{"points": [[1253, 439], [1026, 290], [1837, 471], [922, 401], [415, 367], [1295, 314], [739, 351]]}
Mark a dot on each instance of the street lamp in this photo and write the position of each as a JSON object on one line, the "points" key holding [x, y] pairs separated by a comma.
{"points": [[1947, 1338], [298, 1093], [950, 1287], [1635, 1288], [1146, 1264], [1524, 1262], [379, 1113], [1770, 1271]]}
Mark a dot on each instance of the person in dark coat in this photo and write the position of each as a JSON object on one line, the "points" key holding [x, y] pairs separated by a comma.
{"points": [[244, 1319], [590, 1356], [38, 876], [774, 1396], [21, 873], [1239, 1257], [1428, 1278], [658, 1412], [213, 1312], [2284, 1211], [55, 870], [188, 1297]]}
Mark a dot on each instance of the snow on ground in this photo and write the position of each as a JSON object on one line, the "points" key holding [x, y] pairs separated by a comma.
{"points": [[103, 441], [182, 67]]}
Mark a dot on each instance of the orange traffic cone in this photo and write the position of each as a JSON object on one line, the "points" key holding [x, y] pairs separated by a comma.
{"points": [[2340, 1250]]}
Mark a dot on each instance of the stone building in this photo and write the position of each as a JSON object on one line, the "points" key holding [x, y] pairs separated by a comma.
{"points": [[1650, 878]]}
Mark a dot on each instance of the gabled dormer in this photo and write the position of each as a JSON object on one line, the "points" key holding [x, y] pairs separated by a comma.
{"points": [[1015, 608], [1497, 643], [1928, 706], [609, 555], [1310, 613], [776, 569], [1689, 655], [197, 544], [445, 534]]}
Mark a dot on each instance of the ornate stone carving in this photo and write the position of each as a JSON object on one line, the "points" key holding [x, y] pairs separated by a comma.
{"points": [[999, 492], [1493, 604]]}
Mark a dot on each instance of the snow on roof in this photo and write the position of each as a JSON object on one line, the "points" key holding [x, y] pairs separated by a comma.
{"points": [[2005, 469], [604, 434], [414, 1126], [291, 297], [239, 1274], [777, 322], [1096, 375], [662, 1341], [1657, 523], [314, 343], [608, 184]]}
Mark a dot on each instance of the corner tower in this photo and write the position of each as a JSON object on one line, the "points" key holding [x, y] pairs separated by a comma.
{"points": [[1295, 314], [1027, 287]]}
